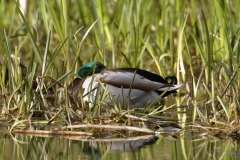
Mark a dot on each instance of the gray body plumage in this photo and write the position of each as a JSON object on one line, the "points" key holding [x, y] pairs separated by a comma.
{"points": [[124, 88]]}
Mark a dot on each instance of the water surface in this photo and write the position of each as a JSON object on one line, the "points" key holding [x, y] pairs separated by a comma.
{"points": [[145, 147]]}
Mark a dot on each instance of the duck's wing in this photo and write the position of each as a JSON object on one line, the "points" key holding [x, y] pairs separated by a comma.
{"points": [[125, 79], [149, 75]]}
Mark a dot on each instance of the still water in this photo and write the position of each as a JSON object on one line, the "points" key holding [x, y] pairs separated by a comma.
{"points": [[163, 146]]}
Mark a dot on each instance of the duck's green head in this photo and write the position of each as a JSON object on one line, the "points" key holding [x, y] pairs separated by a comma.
{"points": [[90, 68]]}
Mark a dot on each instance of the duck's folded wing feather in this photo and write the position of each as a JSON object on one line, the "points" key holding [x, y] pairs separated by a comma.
{"points": [[123, 79], [173, 87]]}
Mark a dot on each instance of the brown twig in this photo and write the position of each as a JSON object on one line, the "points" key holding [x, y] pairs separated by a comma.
{"points": [[41, 132], [55, 116], [110, 127]]}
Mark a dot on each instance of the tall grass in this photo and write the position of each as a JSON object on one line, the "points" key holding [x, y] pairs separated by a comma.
{"points": [[198, 41]]}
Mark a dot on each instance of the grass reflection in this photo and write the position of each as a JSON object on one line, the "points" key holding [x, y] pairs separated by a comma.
{"points": [[167, 147]]}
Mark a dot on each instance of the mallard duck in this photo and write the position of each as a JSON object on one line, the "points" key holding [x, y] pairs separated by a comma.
{"points": [[129, 87]]}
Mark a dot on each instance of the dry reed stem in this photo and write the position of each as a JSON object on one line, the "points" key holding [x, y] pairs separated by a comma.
{"points": [[113, 127], [41, 132]]}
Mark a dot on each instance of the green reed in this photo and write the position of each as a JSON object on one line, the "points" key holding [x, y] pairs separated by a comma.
{"points": [[198, 41]]}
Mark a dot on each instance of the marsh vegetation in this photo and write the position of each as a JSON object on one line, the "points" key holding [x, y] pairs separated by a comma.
{"points": [[42, 48]]}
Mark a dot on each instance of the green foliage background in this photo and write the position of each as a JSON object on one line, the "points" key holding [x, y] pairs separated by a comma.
{"points": [[198, 41], [195, 40]]}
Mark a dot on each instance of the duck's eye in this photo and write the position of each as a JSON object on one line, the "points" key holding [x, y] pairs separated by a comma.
{"points": [[171, 79]]}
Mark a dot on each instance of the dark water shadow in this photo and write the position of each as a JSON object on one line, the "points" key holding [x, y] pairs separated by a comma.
{"points": [[30, 146]]}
